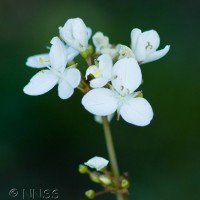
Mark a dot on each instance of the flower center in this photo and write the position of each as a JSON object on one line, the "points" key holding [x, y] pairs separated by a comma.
{"points": [[123, 95], [97, 73]]}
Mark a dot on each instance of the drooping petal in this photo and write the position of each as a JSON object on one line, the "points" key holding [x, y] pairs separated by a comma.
{"points": [[151, 40], [128, 75], [58, 54], [157, 55], [134, 37], [98, 82], [100, 101], [97, 162], [65, 90], [38, 61], [72, 76], [137, 111], [41, 83]]}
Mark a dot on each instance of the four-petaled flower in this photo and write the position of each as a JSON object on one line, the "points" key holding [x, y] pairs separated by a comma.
{"points": [[121, 95], [57, 73], [145, 45]]}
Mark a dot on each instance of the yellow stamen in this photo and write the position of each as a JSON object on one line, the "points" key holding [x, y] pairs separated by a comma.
{"points": [[41, 60], [97, 73]]}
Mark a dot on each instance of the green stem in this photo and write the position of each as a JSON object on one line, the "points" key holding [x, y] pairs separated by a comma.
{"points": [[111, 153]]}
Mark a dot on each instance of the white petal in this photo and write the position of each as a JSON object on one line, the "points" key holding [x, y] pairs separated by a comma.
{"points": [[72, 76], [71, 53], [105, 64], [152, 38], [97, 162], [65, 90], [137, 111], [89, 32], [58, 54], [41, 83], [91, 70], [80, 32], [157, 54], [100, 102], [98, 82], [128, 75], [134, 37], [140, 50], [38, 61]]}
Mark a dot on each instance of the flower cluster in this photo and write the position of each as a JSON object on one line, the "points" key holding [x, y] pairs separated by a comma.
{"points": [[112, 77], [102, 176]]}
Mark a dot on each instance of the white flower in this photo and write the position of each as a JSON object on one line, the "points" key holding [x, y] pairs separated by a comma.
{"points": [[97, 162], [45, 80], [75, 34], [100, 41], [102, 45], [145, 45], [102, 72], [121, 97]]}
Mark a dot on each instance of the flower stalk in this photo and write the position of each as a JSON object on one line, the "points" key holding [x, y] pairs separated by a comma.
{"points": [[112, 155]]}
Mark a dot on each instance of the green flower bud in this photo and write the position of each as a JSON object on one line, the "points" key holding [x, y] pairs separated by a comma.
{"points": [[90, 194], [87, 52], [94, 177], [105, 180], [83, 169], [124, 183]]}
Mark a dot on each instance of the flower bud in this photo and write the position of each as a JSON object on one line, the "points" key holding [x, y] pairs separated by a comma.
{"points": [[83, 169], [100, 41], [105, 180], [125, 183], [75, 34], [90, 194], [94, 177], [87, 52]]}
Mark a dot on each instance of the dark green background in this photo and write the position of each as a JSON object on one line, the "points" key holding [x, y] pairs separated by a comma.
{"points": [[43, 139]]}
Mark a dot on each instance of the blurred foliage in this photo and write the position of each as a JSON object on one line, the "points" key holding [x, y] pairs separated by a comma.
{"points": [[43, 139]]}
